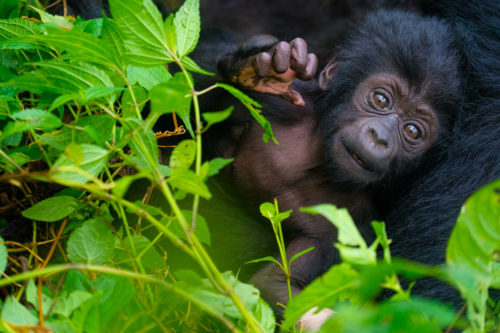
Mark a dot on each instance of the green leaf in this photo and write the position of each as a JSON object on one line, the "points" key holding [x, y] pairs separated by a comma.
{"points": [[183, 155], [205, 293], [187, 27], [60, 21], [113, 37], [187, 180], [116, 292], [217, 117], [89, 159], [251, 105], [79, 46], [474, 243], [149, 257], [245, 99], [147, 77], [67, 303], [32, 297], [217, 164], [339, 283], [300, 254], [190, 65], [17, 28], [128, 106], [169, 28], [3, 255], [351, 245], [413, 316], [92, 243], [201, 231], [15, 313], [142, 24], [173, 96], [264, 259], [31, 119], [143, 142], [51, 209], [379, 228]]}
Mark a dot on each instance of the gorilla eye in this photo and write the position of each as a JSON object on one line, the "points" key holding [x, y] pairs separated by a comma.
{"points": [[380, 100], [412, 131]]}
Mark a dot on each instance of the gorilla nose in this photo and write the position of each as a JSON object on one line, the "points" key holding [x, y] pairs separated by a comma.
{"points": [[378, 140]]}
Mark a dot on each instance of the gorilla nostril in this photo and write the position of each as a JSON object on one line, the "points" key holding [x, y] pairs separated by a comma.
{"points": [[378, 139]]}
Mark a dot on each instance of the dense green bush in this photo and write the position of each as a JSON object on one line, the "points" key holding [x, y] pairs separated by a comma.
{"points": [[72, 129]]}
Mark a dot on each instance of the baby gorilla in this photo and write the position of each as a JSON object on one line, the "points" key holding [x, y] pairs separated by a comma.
{"points": [[387, 96]]}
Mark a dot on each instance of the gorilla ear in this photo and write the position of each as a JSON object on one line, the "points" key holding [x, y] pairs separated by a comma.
{"points": [[326, 75]]}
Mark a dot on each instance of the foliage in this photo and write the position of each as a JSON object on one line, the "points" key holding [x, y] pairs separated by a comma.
{"points": [[75, 141]]}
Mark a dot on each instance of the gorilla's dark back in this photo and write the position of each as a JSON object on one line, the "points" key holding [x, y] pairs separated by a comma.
{"points": [[421, 220]]}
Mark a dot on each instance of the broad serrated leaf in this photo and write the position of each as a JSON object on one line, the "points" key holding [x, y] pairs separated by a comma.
{"points": [[18, 28], [43, 81], [32, 119], [173, 96], [339, 283], [187, 27], [91, 162], [32, 298], [64, 78], [92, 243], [113, 37], [51, 209], [83, 75], [147, 77], [474, 243], [79, 46], [15, 313], [188, 181], [66, 303], [183, 155], [142, 26]]}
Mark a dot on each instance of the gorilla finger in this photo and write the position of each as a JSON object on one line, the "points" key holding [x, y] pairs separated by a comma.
{"points": [[281, 57], [256, 44], [310, 70], [263, 63], [298, 54], [293, 96]]}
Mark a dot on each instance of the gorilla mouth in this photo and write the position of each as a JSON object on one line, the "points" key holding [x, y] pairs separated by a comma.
{"points": [[358, 160]]}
